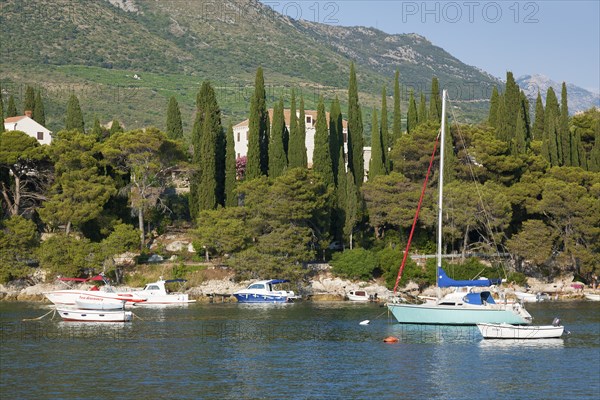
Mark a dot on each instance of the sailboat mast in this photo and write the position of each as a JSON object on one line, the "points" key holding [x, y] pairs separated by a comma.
{"points": [[441, 186]]}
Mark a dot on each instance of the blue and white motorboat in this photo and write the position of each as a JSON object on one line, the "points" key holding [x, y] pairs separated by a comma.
{"points": [[264, 292]]}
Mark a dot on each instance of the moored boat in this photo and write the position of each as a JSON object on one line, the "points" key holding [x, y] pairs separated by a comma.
{"points": [[156, 293], [106, 293], [592, 296], [74, 314], [508, 331], [265, 292]]}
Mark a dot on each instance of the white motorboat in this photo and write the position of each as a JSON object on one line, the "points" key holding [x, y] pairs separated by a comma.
{"points": [[508, 331], [592, 296], [532, 297], [106, 293], [157, 293], [74, 314], [360, 295], [264, 292]]}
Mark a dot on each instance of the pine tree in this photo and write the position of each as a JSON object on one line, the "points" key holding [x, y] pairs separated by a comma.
{"points": [[550, 146], [538, 124], [435, 101], [336, 136], [355, 132], [494, 103], [231, 199], [322, 163], [74, 118], [39, 114], [564, 134], [277, 156], [385, 135], [11, 108], [29, 104], [422, 112], [411, 117], [174, 124], [115, 127], [397, 125], [376, 165]]}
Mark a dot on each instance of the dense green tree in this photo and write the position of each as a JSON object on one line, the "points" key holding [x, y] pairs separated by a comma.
{"points": [[563, 129], [322, 163], [39, 113], [231, 199], [174, 124], [377, 163], [340, 198], [336, 136], [74, 117], [534, 242], [67, 255], [411, 117], [493, 113], [538, 125], [18, 237], [223, 231], [207, 189], [435, 101], [97, 130], [550, 144], [302, 133], [502, 127], [11, 108], [397, 125], [355, 132], [258, 133], [512, 102], [29, 104], [422, 110], [1, 111], [115, 127], [385, 135], [357, 264], [25, 172], [277, 156], [147, 158], [297, 144], [352, 208], [520, 143]]}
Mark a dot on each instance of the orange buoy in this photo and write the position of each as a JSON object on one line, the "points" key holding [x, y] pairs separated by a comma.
{"points": [[391, 339]]}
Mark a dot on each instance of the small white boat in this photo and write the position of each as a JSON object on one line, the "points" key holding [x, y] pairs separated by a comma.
{"points": [[592, 296], [508, 331], [532, 297], [156, 293], [74, 314], [360, 295]]}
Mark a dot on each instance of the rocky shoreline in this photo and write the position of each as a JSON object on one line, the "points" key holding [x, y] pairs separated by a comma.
{"points": [[324, 287]]}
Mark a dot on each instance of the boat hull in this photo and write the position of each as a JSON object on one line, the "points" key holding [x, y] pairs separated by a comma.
{"points": [[70, 297], [592, 297], [431, 314], [505, 331], [68, 314]]}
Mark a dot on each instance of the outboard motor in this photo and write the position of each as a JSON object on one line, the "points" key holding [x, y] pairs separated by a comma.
{"points": [[556, 322]]}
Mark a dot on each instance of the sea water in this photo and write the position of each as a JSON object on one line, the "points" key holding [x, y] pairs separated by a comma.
{"points": [[292, 351]]}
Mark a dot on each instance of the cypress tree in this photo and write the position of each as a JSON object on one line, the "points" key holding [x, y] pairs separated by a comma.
{"points": [[339, 218], [97, 129], [576, 151], [376, 165], [207, 188], [519, 143], [551, 146], [593, 164], [435, 101], [253, 169], [29, 104], [264, 124], [277, 156], [74, 118], [322, 163], [1, 112], [384, 131], [355, 132], [39, 114], [336, 139], [493, 114], [115, 127], [11, 108], [538, 124], [397, 124], [422, 113], [564, 134], [302, 134], [174, 124], [411, 117], [231, 199], [512, 102], [294, 145], [502, 130]]}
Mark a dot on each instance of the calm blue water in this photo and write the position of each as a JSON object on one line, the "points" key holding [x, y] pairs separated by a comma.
{"points": [[296, 351]]}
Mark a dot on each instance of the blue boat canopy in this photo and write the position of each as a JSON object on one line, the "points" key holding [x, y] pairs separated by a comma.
{"points": [[445, 281], [479, 298], [276, 281]]}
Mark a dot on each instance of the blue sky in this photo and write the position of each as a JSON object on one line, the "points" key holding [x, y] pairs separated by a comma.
{"points": [[556, 38]]}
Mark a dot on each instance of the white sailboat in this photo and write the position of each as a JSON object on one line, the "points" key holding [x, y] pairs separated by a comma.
{"points": [[475, 307]]}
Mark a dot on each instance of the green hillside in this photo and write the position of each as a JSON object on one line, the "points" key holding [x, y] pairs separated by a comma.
{"points": [[94, 49]]}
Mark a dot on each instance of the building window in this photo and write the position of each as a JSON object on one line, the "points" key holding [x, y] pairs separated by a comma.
{"points": [[238, 136], [40, 135], [308, 119]]}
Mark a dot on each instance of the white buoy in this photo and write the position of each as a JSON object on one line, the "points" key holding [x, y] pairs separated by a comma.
{"points": [[365, 322]]}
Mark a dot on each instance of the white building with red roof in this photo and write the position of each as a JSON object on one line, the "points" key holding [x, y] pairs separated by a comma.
{"points": [[28, 125]]}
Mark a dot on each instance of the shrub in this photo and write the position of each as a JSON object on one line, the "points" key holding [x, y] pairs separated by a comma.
{"points": [[355, 264]]}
